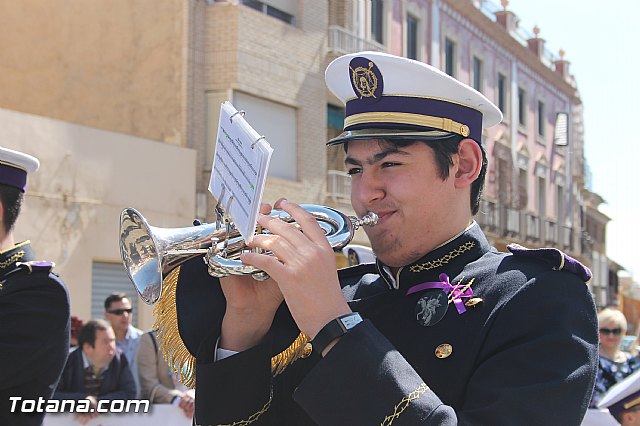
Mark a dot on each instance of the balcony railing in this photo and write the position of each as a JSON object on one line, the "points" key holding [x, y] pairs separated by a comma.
{"points": [[533, 227], [586, 241], [550, 232], [343, 41], [566, 237], [339, 186], [513, 221], [487, 217]]}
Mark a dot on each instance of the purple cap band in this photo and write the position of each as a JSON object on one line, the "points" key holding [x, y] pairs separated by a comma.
{"points": [[13, 176], [414, 105]]}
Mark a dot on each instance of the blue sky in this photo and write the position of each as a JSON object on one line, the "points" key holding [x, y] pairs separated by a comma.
{"points": [[601, 40]]}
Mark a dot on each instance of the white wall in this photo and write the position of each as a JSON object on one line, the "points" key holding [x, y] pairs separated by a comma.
{"points": [[87, 176]]}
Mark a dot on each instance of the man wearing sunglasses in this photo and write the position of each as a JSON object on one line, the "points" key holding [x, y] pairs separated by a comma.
{"points": [[118, 311]]}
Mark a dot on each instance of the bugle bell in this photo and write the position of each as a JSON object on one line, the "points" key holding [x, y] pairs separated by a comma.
{"points": [[150, 253]]}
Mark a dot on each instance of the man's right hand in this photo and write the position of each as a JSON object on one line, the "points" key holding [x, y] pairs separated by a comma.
{"points": [[251, 306]]}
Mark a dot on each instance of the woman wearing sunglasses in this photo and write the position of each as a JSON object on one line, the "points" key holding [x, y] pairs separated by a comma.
{"points": [[614, 364]]}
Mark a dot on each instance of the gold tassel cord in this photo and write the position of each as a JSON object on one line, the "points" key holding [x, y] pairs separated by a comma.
{"points": [[171, 345], [300, 348], [180, 359]]}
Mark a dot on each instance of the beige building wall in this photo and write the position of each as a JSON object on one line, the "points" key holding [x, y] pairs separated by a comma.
{"points": [[108, 82], [87, 176], [256, 54], [115, 65]]}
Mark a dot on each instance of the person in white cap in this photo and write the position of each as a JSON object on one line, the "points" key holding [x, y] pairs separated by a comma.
{"points": [[34, 307], [441, 330], [623, 400]]}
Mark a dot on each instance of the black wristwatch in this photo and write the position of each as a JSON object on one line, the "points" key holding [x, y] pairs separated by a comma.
{"points": [[334, 329]]}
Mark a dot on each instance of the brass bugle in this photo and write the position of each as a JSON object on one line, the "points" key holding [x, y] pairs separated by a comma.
{"points": [[150, 253]]}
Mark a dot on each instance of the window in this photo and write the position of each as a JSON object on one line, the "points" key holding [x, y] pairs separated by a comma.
{"points": [[278, 123], [502, 93], [561, 133], [477, 73], [108, 278], [335, 124], [449, 57], [503, 181], [560, 204], [376, 21], [523, 190], [335, 120], [412, 37], [270, 10], [542, 198], [541, 120], [522, 107]]}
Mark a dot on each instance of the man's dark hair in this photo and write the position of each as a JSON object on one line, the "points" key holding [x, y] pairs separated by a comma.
{"points": [[88, 332], [115, 297], [11, 198], [443, 150]]}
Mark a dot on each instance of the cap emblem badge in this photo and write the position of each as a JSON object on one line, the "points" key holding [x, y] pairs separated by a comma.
{"points": [[366, 79]]}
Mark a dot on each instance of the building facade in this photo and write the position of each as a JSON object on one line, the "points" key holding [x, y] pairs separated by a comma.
{"points": [[120, 100], [535, 192]]}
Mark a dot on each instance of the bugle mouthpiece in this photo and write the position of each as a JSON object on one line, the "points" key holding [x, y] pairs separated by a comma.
{"points": [[370, 219]]}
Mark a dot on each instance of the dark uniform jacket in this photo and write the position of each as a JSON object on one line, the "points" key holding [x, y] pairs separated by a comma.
{"points": [[34, 331], [522, 351], [117, 381]]}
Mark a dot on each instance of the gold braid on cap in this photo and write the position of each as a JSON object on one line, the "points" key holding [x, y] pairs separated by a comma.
{"points": [[173, 350], [176, 354]]}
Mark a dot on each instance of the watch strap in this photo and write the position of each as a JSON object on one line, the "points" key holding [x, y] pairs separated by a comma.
{"points": [[334, 329]]}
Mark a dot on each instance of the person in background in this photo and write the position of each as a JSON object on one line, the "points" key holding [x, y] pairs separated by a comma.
{"points": [[623, 400], [76, 326], [34, 304], [613, 363], [96, 370], [157, 382], [118, 311]]}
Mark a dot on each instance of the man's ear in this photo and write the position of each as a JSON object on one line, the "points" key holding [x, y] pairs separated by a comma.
{"points": [[468, 164]]}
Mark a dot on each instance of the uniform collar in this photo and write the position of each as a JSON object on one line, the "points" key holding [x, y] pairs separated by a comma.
{"points": [[21, 252], [450, 258]]}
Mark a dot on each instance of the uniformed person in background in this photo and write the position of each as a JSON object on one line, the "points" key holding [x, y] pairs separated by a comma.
{"points": [[34, 307], [441, 330], [623, 401]]}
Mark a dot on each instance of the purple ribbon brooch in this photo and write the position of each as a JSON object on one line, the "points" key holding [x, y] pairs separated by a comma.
{"points": [[455, 293]]}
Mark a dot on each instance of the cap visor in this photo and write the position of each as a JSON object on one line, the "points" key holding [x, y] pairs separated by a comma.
{"points": [[389, 134]]}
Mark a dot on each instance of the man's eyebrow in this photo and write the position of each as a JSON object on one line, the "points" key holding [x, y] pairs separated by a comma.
{"points": [[376, 157]]}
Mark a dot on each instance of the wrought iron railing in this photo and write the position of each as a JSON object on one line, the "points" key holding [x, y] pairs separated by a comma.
{"points": [[550, 232], [487, 216], [566, 237], [533, 227]]}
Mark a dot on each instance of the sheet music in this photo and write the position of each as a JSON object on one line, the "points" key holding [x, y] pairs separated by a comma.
{"points": [[239, 169]]}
